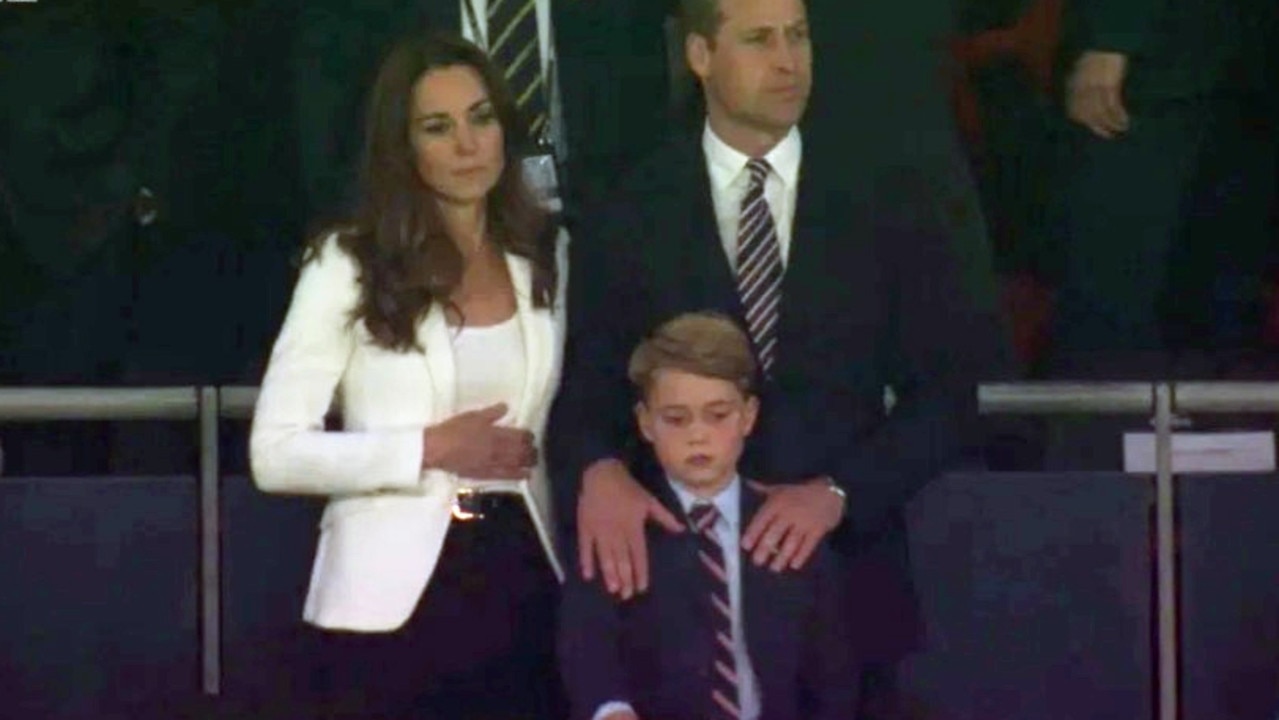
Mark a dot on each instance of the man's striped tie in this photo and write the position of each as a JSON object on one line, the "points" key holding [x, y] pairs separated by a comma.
{"points": [[724, 697], [512, 36], [759, 266]]}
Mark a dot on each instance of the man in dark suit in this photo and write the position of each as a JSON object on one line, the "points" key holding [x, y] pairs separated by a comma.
{"points": [[102, 182], [717, 636], [1160, 168], [883, 91], [870, 342], [616, 87]]}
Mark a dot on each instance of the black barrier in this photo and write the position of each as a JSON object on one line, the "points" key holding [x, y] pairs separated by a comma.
{"points": [[1036, 590], [267, 545], [98, 601], [1230, 597]]}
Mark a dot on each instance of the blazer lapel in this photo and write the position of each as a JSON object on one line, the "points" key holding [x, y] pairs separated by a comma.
{"points": [[683, 555], [538, 334], [804, 260], [433, 335], [757, 603]]}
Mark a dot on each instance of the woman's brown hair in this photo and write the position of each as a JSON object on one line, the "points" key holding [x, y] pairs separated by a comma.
{"points": [[406, 260]]}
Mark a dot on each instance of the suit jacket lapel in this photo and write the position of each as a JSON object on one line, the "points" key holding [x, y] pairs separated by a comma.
{"points": [[661, 489], [804, 261], [700, 258], [758, 584], [686, 570], [701, 255]]}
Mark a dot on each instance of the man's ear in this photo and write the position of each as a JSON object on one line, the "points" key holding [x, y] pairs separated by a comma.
{"points": [[644, 419], [697, 52], [750, 413]]}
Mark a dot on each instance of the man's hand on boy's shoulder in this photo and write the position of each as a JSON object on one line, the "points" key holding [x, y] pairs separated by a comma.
{"points": [[792, 522], [612, 510]]}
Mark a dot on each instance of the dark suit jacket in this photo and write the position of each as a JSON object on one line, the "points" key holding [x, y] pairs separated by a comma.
{"points": [[614, 81], [655, 651], [1177, 50], [872, 297]]}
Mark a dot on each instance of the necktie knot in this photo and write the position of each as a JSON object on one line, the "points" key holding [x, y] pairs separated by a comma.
{"points": [[703, 516], [759, 169]]}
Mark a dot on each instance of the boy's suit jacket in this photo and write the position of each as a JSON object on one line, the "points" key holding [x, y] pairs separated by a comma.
{"points": [[655, 650], [384, 526]]}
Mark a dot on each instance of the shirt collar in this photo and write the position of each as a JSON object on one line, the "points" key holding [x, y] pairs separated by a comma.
{"points": [[726, 163], [728, 501]]}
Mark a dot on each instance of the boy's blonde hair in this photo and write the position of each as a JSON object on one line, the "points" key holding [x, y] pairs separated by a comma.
{"points": [[707, 344]]}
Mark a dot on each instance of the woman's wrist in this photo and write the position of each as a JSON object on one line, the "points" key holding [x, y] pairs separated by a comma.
{"points": [[432, 452]]}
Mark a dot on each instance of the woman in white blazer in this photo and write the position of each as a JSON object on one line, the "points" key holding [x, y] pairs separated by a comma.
{"points": [[432, 325]]}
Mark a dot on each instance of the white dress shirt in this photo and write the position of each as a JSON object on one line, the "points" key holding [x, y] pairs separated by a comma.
{"points": [[730, 180], [478, 33], [728, 531]]}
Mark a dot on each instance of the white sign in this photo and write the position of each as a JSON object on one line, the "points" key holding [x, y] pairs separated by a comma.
{"points": [[1204, 452]]}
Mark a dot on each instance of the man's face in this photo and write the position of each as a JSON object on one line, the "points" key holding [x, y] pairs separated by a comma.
{"points": [[757, 70]]}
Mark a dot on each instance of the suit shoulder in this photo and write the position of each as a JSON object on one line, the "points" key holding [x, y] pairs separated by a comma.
{"points": [[657, 170]]}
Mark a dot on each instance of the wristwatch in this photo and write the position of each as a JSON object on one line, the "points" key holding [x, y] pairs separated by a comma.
{"points": [[835, 488]]}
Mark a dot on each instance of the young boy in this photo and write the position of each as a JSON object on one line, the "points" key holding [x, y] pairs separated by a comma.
{"points": [[715, 636]]}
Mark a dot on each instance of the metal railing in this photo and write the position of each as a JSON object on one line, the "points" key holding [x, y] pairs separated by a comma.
{"points": [[168, 403], [208, 405], [1162, 402]]}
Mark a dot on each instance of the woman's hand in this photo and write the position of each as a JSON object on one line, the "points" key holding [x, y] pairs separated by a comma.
{"points": [[472, 445]]}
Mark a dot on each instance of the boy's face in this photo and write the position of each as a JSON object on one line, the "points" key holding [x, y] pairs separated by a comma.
{"points": [[697, 426]]}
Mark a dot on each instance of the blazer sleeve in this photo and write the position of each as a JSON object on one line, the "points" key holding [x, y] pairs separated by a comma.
{"points": [[830, 666], [589, 648], [289, 449], [940, 339], [1122, 26]]}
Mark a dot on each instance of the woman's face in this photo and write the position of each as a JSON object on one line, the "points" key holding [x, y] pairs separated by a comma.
{"points": [[456, 136]]}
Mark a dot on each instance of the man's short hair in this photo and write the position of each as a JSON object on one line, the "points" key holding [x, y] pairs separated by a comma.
{"points": [[706, 344], [701, 17]]}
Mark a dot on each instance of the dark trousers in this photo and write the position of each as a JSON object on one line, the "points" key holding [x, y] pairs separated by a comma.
{"points": [[880, 695], [479, 645], [1120, 213], [1161, 235]]}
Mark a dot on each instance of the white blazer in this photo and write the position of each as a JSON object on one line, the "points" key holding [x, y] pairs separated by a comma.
{"points": [[384, 525]]}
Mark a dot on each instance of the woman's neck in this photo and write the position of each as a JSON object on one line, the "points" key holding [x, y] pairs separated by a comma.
{"points": [[467, 225]]}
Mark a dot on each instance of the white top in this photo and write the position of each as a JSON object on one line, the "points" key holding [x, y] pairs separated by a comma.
{"points": [[730, 179], [490, 365]]}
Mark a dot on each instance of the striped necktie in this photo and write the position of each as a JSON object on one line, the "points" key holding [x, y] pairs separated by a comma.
{"points": [[724, 691], [513, 45], [759, 266]]}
